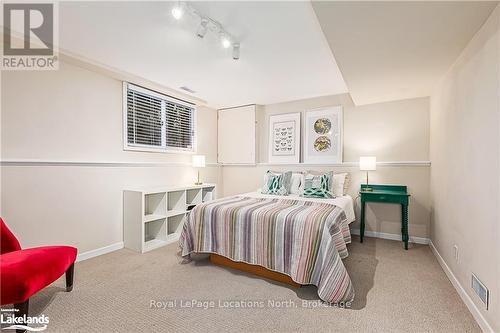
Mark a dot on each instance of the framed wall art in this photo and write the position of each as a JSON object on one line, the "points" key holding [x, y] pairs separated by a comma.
{"points": [[323, 136], [284, 138]]}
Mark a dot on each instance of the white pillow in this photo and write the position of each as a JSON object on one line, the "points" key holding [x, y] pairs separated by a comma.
{"points": [[297, 181], [339, 184]]}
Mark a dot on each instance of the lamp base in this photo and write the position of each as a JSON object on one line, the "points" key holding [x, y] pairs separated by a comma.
{"points": [[198, 182], [367, 188]]}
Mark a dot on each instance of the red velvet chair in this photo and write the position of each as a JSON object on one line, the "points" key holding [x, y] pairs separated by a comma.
{"points": [[23, 273]]}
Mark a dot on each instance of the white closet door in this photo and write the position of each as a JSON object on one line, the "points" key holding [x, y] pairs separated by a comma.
{"points": [[236, 135]]}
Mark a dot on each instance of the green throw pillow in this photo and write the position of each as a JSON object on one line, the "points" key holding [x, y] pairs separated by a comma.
{"points": [[318, 186], [278, 184]]}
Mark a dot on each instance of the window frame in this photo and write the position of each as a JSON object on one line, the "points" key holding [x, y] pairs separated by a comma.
{"points": [[151, 149]]}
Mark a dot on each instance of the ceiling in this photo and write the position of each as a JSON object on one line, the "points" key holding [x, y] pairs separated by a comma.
{"points": [[397, 50], [284, 54]]}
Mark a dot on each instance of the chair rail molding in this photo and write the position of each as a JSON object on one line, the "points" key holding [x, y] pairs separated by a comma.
{"points": [[24, 162], [343, 164], [39, 162]]}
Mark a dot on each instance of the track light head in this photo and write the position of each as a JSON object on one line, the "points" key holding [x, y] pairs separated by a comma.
{"points": [[236, 51], [177, 12], [226, 43], [202, 29], [206, 24]]}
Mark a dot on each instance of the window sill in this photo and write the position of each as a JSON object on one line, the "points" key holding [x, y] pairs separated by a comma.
{"points": [[154, 150]]}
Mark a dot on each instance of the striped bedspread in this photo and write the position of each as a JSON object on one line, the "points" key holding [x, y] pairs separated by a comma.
{"points": [[305, 240]]}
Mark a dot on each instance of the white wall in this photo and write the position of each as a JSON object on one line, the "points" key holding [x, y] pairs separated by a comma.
{"points": [[465, 166], [394, 131], [75, 115]]}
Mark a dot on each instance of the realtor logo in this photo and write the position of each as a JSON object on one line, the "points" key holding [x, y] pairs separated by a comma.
{"points": [[22, 323], [29, 36]]}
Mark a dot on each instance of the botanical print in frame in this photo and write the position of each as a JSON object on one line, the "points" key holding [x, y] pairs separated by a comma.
{"points": [[284, 138], [323, 136]]}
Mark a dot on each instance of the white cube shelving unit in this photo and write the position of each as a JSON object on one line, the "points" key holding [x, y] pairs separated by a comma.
{"points": [[154, 217]]}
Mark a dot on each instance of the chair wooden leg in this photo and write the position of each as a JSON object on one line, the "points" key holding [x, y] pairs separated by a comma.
{"points": [[69, 277], [22, 309]]}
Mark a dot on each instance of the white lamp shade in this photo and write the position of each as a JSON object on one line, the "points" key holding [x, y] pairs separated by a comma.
{"points": [[368, 163], [199, 161]]}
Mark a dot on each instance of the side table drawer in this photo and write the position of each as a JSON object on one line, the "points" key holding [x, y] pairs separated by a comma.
{"points": [[383, 198]]}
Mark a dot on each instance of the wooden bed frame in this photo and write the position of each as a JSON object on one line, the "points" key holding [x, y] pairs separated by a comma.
{"points": [[253, 269]]}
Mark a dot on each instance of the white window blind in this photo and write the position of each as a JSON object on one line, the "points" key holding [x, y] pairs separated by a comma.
{"points": [[157, 122]]}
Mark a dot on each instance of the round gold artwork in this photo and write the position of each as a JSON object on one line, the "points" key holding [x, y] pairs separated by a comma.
{"points": [[322, 126], [322, 144]]}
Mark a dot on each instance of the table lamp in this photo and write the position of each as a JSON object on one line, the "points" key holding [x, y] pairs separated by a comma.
{"points": [[367, 163], [198, 162]]}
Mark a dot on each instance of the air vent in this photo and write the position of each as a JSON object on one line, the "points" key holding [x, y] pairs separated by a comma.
{"points": [[481, 290], [189, 90]]}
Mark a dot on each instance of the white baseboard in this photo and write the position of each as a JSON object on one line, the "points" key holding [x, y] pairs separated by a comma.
{"points": [[485, 327], [384, 235], [98, 252]]}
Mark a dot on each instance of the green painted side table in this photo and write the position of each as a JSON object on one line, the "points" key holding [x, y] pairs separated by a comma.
{"points": [[389, 194]]}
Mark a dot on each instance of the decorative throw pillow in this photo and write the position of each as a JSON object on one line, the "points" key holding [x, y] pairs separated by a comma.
{"points": [[296, 183], [340, 183], [267, 175], [347, 183], [318, 185], [277, 183]]}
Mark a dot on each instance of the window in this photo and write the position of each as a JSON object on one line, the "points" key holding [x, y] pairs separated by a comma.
{"points": [[157, 122]]}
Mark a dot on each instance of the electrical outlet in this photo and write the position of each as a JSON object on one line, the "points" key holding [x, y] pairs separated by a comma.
{"points": [[456, 253]]}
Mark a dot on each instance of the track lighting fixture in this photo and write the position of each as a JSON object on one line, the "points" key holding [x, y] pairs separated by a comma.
{"points": [[177, 11], [225, 42], [202, 29], [236, 51], [206, 24]]}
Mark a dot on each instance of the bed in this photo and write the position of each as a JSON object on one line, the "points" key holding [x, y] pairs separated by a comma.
{"points": [[303, 238]]}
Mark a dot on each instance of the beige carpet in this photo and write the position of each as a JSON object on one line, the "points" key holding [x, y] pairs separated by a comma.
{"points": [[396, 290]]}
